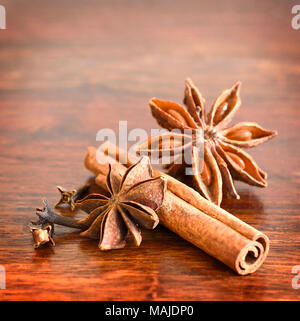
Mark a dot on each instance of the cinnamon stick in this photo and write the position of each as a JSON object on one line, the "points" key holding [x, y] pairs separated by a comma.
{"points": [[187, 213]]}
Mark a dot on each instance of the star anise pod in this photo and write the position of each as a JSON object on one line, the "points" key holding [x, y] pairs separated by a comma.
{"points": [[133, 200], [224, 160]]}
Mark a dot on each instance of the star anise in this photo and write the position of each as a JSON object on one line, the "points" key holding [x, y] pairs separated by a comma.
{"points": [[133, 200], [224, 160]]}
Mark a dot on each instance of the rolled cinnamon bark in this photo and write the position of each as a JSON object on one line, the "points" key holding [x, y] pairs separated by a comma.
{"points": [[187, 213]]}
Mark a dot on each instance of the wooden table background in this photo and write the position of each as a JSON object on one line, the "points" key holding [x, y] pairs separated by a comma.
{"points": [[70, 68]]}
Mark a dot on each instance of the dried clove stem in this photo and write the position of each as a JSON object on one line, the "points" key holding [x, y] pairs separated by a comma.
{"points": [[46, 215]]}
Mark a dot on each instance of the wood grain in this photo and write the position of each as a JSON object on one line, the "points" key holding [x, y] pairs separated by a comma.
{"points": [[70, 68]]}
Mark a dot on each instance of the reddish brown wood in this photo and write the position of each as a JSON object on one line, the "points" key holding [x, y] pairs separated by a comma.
{"points": [[69, 69]]}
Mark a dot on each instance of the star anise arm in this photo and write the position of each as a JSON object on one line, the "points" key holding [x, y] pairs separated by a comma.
{"points": [[228, 186], [206, 175], [140, 171], [194, 102], [88, 221], [94, 221], [170, 115], [150, 192], [166, 144], [114, 178], [133, 228], [242, 165], [169, 148], [91, 202], [246, 134], [113, 231], [225, 107], [144, 215]]}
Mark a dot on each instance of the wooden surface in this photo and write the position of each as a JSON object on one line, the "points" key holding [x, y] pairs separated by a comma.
{"points": [[70, 68]]}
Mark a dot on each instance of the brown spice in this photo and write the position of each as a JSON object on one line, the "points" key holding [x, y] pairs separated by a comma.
{"points": [[134, 196], [187, 213], [223, 156], [70, 197], [42, 235]]}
